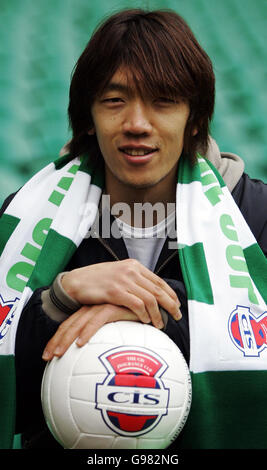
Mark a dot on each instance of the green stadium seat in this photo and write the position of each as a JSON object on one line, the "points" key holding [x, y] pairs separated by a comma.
{"points": [[41, 41]]}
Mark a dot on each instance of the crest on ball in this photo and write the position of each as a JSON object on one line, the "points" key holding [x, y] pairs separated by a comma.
{"points": [[132, 398]]}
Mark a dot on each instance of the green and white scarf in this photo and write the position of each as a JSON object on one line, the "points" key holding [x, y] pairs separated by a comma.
{"points": [[225, 274]]}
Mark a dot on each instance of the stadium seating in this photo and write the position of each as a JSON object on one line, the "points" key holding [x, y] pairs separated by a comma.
{"points": [[41, 41]]}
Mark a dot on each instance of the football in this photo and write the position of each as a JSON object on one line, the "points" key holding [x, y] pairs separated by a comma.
{"points": [[129, 387]]}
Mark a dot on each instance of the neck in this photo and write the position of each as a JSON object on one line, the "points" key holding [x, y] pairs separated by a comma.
{"points": [[142, 207]]}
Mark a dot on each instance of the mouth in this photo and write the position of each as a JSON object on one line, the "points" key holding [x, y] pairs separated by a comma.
{"points": [[138, 155], [140, 152]]}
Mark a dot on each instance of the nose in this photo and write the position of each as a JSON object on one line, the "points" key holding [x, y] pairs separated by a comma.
{"points": [[137, 119]]}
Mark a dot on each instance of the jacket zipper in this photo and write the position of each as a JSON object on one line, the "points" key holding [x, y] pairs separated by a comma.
{"points": [[108, 249], [166, 261], [118, 259]]}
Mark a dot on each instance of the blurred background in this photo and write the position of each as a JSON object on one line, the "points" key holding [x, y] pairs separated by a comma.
{"points": [[41, 40]]}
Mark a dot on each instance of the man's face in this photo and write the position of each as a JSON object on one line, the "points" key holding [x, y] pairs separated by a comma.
{"points": [[141, 138]]}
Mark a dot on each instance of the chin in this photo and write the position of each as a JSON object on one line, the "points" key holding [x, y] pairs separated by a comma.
{"points": [[140, 184]]}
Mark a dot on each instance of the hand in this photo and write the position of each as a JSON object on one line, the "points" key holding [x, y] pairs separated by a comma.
{"points": [[82, 325], [124, 283]]}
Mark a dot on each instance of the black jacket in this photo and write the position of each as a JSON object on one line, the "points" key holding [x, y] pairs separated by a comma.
{"points": [[36, 328]]}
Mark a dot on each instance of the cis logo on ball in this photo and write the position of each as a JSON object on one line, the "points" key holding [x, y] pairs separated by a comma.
{"points": [[133, 383]]}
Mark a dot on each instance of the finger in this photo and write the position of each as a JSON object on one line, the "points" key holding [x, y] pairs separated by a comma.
{"points": [[92, 325], [131, 299], [134, 270], [108, 314], [163, 296], [83, 325], [160, 283], [65, 334], [150, 303], [170, 305]]}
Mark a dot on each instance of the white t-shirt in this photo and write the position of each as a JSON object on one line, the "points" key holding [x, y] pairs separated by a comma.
{"points": [[145, 244]]}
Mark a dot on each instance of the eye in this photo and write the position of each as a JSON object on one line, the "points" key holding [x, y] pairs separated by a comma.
{"points": [[165, 100], [112, 100]]}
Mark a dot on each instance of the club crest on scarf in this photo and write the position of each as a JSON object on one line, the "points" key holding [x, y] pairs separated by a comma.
{"points": [[248, 333], [133, 385], [7, 312]]}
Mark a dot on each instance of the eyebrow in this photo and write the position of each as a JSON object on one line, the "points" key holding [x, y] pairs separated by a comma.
{"points": [[117, 86]]}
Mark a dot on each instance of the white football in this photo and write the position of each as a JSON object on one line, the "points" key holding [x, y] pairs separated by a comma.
{"points": [[129, 387]]}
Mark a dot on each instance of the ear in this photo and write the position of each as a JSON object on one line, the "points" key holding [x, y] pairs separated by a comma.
{"points": [[91, 131], [195, 131]]}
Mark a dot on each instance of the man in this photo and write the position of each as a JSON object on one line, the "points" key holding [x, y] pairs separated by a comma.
{"points": [[141, 101]]}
